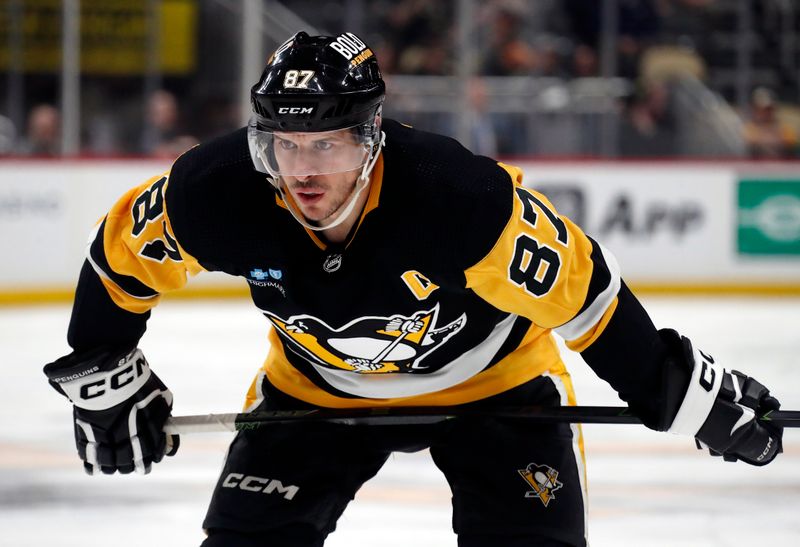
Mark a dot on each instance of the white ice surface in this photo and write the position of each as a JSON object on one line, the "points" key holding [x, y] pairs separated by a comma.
{"points": [[646, 489]]}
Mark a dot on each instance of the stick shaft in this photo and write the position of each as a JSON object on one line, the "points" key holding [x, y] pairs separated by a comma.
{"points": [[213, 423]]}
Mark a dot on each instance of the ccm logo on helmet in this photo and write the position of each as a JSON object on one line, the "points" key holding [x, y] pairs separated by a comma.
{"points": [[250, 483], [296, 110], [348, 45]]}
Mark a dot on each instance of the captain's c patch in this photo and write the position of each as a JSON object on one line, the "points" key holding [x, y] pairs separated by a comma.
{"points": [[418, 284]]}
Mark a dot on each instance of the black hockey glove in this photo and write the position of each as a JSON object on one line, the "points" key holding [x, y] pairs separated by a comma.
{"points": [[119, 408], [720, 407]]}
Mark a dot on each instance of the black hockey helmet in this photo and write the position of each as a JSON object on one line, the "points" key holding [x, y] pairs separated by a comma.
{"points": [[317, 111], [318, 83]]}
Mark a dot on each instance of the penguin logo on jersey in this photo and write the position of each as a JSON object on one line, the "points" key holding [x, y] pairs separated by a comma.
{"points": [[543, 479], [369, 345]]}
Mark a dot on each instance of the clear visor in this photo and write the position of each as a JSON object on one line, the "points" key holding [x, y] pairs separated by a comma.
{"points": [[297, 154]]}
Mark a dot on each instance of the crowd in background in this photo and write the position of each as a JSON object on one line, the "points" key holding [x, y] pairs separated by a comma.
{"points": [[558, 39], [562, 39]]}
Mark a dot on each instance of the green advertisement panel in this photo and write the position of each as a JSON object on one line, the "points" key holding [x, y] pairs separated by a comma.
{"points": [[768, 217]]}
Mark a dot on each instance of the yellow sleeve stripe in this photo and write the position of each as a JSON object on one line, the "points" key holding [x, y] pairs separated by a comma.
{"points": [[583, 322], [587, 338], [127, 302], [120, 297], [138, 246]]}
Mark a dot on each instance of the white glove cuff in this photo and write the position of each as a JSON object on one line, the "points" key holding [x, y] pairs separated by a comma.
{"points": [[700, 395], [103, 389]]}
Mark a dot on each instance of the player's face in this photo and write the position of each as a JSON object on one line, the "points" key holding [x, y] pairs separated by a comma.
{"points": [[321, 197], [323, 177]]}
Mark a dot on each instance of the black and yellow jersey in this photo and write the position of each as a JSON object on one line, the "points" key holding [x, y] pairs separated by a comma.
{"points": [[447, 290]]}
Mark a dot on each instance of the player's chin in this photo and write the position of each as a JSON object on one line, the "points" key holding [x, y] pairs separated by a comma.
{"points": [[315, 214]]}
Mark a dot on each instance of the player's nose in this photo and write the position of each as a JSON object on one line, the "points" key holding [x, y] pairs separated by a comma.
{"points": [[304, 164]]}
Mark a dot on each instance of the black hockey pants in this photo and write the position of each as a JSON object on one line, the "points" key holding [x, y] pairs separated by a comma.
{"points": [[513, 483]]}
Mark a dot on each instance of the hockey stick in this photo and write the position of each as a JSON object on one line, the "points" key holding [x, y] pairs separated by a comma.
{"points": [[214, 423]]}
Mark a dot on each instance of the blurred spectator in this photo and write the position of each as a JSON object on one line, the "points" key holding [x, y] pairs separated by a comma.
{"points": [[8, 136], [163, 135], [418, 33], [551, 56], [638, 23], [431, 58], [508, 53], [648, 127], [386, 55], [584, 62], [43, 137], [764, 134], [483, 138]]}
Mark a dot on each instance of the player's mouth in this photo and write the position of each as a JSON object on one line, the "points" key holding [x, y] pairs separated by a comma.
{"points": [[308, 196]]}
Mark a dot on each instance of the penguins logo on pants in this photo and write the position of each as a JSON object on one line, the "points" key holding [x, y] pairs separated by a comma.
{"points": [[543, 480]]}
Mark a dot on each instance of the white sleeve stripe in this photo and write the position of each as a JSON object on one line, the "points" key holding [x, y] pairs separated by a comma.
{"points": [[581, 323], [99, 271]]}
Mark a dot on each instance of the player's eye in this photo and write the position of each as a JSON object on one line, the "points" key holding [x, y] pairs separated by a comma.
{"points": [[286, 145], [323, 145]]}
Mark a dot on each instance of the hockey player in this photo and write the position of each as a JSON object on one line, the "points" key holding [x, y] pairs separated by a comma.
{"points": [[396, 269]]}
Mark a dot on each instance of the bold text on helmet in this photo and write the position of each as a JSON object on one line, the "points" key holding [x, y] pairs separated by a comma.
{"points": [[348, 45]]}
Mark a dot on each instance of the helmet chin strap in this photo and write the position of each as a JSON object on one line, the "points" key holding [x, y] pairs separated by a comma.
{"points": [[361, 182]]}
